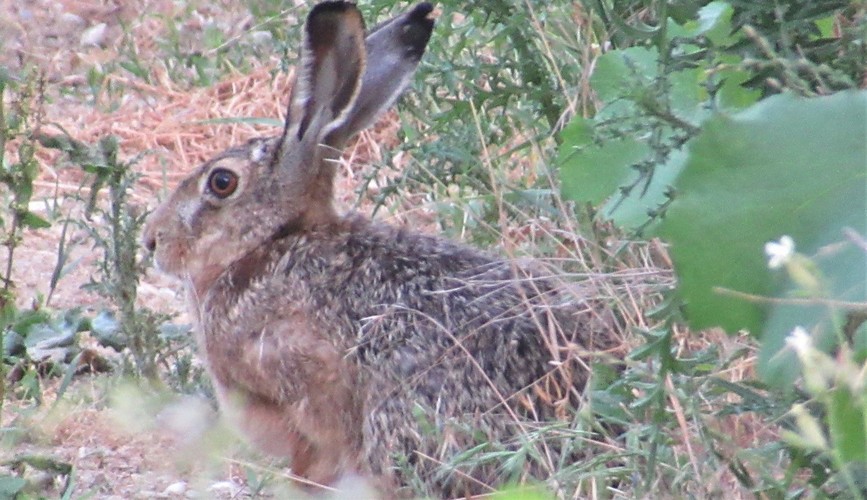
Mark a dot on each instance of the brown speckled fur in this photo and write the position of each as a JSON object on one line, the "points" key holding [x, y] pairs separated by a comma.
{"points": [[353, 347]]}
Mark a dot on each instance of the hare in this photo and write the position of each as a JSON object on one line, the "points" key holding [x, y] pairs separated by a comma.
{"points": [[349, 346]]}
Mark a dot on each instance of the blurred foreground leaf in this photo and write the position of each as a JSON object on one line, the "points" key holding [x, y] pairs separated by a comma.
{"points": [[785, 166]]}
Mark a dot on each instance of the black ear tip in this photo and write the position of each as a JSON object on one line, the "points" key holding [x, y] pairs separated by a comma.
{"points": [[418, 25], [331, 6], [421, 10], [326, 18], [420, 15], [323, 12]]}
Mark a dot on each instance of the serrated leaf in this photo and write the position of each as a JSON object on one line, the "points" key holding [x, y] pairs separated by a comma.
{"points": [[13, 343], [106, 329], [750, 399], [610, 406], [27, 319], [594, 172], [714, 22], [171, 331], [619, 71], [632, 211], [732, 94], [591, 172], [50, 334]]}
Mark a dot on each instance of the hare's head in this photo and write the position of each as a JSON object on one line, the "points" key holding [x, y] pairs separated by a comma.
{"points": [[245, 195]]}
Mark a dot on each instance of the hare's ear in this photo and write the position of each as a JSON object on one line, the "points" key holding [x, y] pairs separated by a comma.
{"points": [[394, 49], [327, 82]]}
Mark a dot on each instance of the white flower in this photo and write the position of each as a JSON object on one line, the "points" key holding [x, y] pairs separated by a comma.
{"points": [[780, 252], [800, 341]]}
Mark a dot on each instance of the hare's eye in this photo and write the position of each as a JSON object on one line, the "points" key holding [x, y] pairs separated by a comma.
{"points": [[222, 182]]}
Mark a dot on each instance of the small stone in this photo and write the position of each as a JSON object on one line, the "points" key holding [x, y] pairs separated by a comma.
{"points": [[178, 488], [355, 487], [260, 37], [93, 36], [223, 487], [71, 21]]}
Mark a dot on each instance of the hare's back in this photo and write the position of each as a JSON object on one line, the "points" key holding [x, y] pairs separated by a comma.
{"points": [[429, 312], [408, 305], [459, 347]]}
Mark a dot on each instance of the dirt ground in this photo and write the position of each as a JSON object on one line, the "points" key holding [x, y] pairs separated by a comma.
{"points": [[63, 39]]}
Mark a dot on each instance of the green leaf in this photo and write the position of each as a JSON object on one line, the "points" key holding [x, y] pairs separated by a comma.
{"points": [[10, 486], [44, 463], [621, 70], [522, 493], [785, 166], [71, 370], [632, 211], [33, 221], [135, 68], [733, 95], [848, 425], [688, 95], [13, 343], [656, 343], [29, 386], [214, 37], [591, 172], [25, 320], [172, 331], [106, 329], [596, 163], [714, 22], [826, 26], [52, 333]]}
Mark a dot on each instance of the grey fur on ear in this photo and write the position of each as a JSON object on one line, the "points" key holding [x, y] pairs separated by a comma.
{"points": [[394, 49], [328, 79]]}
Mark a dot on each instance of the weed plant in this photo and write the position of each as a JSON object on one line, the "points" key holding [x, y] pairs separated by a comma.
{"points": [[115, 229], [18, 172]]}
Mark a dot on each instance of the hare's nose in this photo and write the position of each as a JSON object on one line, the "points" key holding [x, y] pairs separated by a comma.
{"points": [[149, 239], [149, 242]]}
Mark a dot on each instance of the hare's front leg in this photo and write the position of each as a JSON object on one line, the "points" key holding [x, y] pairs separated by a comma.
{"points": [[268, 426], [293, 395]]}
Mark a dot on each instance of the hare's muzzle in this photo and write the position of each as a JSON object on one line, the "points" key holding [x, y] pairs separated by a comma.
{"points": [[153, 229], [149, 242], [149, 238]]}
